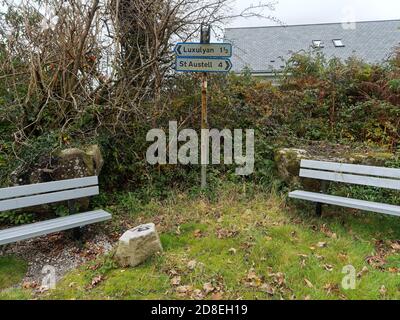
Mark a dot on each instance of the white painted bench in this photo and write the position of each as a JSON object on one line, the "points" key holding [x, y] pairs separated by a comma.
{"points": [[50, 192], [388, 178]]}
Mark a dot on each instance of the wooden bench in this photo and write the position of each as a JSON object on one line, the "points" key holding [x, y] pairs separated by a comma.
{"points": [[44, 193], [388, 178]]}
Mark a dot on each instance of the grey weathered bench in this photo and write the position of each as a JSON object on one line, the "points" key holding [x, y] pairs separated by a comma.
{"points": [[388, 178], [50, 192]]}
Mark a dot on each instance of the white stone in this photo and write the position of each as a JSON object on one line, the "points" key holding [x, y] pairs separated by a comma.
{"points": [[137, 245]]}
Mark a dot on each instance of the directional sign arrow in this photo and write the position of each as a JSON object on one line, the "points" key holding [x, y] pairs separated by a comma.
{"points": [[193, 64], [189, 49]]}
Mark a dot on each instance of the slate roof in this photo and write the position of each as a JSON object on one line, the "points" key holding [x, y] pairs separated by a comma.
{"points": [[263, 48]]}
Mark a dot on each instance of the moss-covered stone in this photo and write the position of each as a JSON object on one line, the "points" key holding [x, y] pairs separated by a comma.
{"points": [[67, 164], [288, 162]]}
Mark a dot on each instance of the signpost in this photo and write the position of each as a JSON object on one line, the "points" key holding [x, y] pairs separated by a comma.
{"points": [[185, 64], [204, 57], [187, 49]]}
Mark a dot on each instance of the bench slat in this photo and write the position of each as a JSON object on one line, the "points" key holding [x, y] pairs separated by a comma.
{"points": [[50, 226], [31, 189], [347, 202], [351, 179], [351, 168], [18, 203]]}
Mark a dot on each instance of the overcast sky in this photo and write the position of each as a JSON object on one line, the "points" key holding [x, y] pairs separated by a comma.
{"points": [[320, 11]]}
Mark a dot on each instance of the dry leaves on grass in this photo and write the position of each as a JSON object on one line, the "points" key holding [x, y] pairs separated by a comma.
{"points": [[363, 272], [184, 291], [383, 290], [331, 288], [29, 285], [192, 264], [343, 257], [328, 267], [226, 233], [232, 251], [395, 245], [377, 262], [308, 283], [322, 244], [325, 230], [394, 270], [198, 233], [176, 281], [275, 283], [95, 281]]}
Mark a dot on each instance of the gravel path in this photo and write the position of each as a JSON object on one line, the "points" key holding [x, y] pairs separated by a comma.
{"points": [[59, 251]]}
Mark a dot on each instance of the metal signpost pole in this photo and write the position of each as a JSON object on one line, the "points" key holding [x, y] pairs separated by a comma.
{"points": [[204, 38], [203, 57]]}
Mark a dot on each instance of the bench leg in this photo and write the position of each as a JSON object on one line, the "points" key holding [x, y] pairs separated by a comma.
{"points": [[77, 234], [318, 209]]}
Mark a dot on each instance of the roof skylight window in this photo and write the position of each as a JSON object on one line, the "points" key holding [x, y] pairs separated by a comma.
{"points": [[338, 43], [318, 44]]}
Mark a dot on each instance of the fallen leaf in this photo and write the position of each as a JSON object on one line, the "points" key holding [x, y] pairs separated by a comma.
{"points": [[29, 285], [383, 290], [184, 290], [216, 296], [343, 257], [197, 294], [232, 251], [267, 288], [176, 281], [192, 264], [376, 261], [96, 280], [395, 246], [198, 233], [328, 267], [330, 288], [308, 283], [362, 272], [208, 287], [43, 289], [172, 272], [225, 233], [322, 244]]}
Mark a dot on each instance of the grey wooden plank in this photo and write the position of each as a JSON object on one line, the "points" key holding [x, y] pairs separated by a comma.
{"points": [[59, 224], [352, 168], [347, 202], [31, 189], [43, 224], [18, 203], [351, 179]]}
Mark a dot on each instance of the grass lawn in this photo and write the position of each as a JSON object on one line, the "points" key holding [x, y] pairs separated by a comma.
{"points": [[240, 245]]}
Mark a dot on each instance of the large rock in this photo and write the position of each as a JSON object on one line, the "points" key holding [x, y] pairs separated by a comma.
{"points": [[67, 164], [137, 245], [288, 161]]}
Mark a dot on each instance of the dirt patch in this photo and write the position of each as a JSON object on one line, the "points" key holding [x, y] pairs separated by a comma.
{"points": [[58, 250]]}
